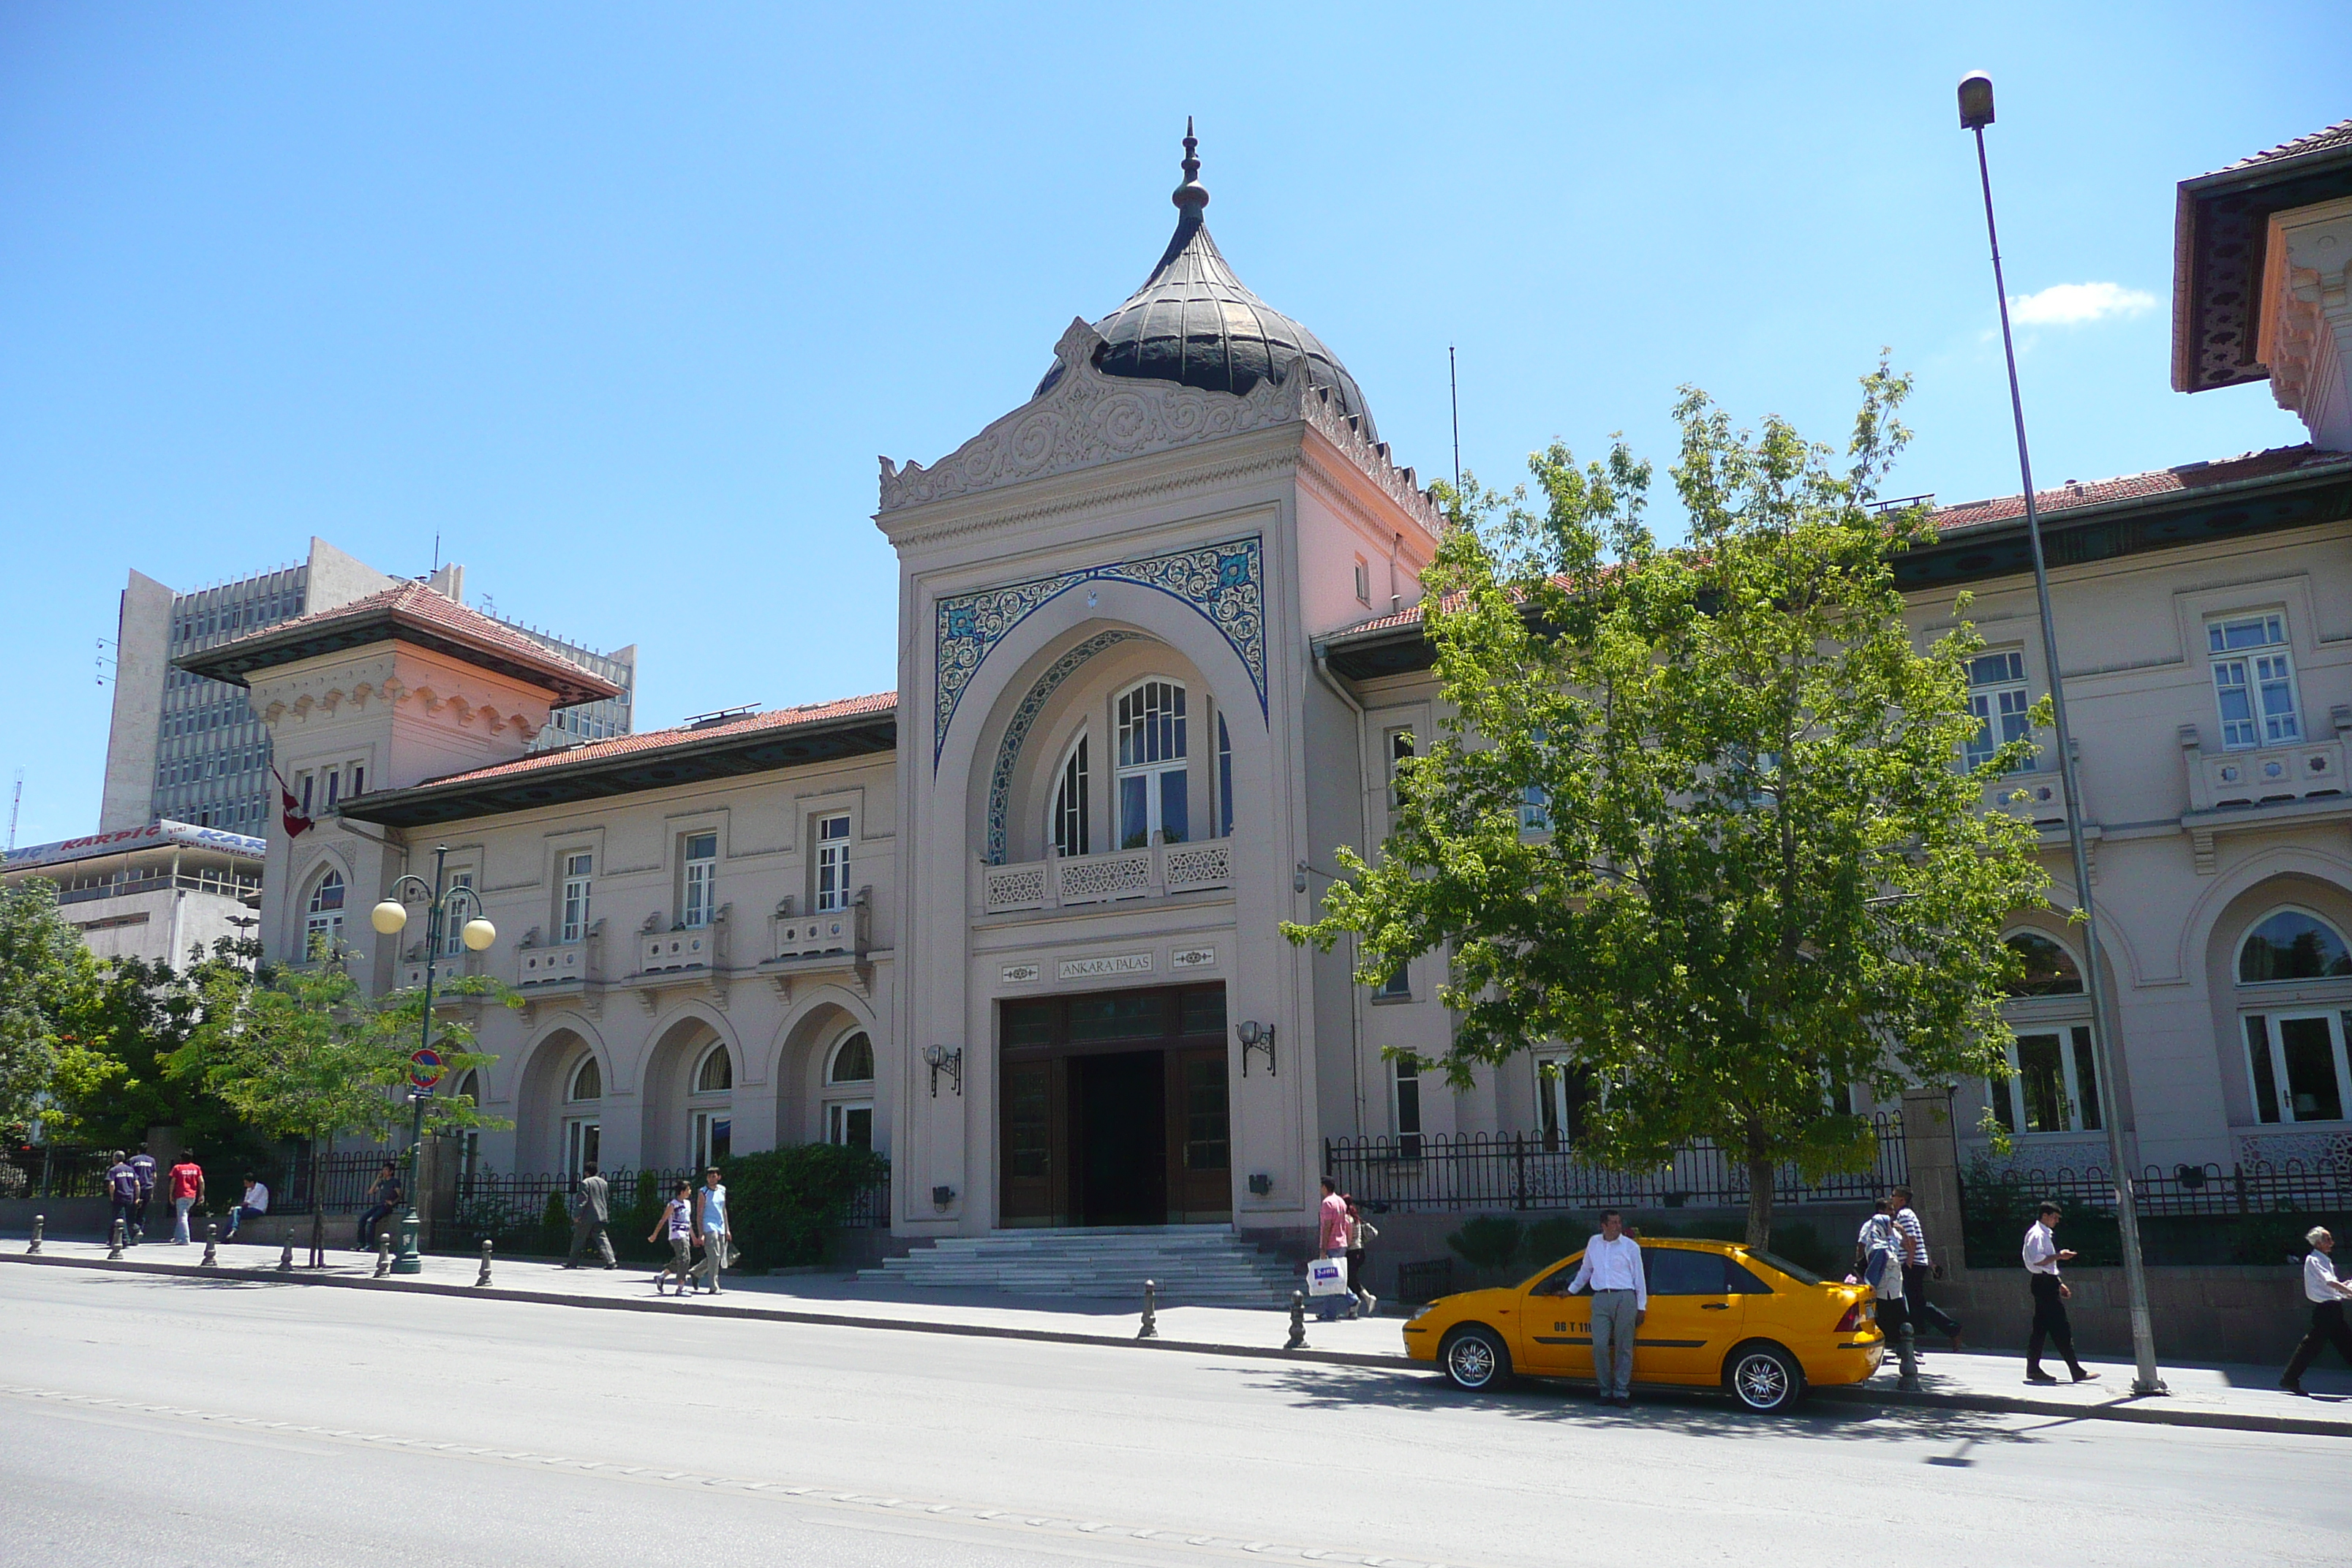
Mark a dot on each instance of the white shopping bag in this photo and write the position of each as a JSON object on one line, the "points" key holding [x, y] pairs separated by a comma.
{"points": [[1326, 1277]]}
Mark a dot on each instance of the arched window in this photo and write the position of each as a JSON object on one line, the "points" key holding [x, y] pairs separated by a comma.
{"points": [[2293, 945], [852, 1060], [2049, 969], [1071, 828], [716, 1073], [470, 1086], [322, 924], [587, 1081], [1153, 780]]}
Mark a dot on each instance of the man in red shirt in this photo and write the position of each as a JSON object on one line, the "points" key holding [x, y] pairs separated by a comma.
{"points": [[187, 1190], [1331, 1236]]}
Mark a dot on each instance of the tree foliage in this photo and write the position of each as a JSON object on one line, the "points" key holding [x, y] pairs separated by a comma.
{"points": [[1696, 815], [50, 1057]]}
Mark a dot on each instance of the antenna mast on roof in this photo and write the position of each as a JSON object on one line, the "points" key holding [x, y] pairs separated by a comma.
{"points": [[1453, 391], [15, 802]]}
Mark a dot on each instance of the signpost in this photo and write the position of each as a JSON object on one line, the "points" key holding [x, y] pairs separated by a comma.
{"points": [[424, 1068]]}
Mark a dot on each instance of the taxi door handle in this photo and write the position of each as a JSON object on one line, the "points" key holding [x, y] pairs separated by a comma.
{"points": [[1715, 1306]]}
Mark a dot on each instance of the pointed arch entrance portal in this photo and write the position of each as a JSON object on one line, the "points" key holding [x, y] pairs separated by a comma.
{"points": [[1114, 1108]]}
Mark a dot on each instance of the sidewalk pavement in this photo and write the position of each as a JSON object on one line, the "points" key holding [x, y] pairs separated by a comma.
{"points": [[2245, 1398]]}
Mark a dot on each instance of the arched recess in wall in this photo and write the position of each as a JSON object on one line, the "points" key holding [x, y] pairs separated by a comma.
{"points": [[810, 1053], [2289, 969], [687, 1124], [559, 1100]]}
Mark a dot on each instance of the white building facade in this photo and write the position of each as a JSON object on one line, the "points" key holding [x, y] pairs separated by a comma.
{"points": [[1017, 923]]}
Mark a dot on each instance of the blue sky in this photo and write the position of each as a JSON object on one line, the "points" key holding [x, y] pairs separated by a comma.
{"points": [[623, 302]]}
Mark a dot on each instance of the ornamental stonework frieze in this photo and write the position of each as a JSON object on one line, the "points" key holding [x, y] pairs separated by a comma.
{"points": [[1222, 582]]}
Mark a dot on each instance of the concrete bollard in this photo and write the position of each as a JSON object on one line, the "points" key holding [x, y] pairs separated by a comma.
{"points": [[35, 1249], [484, 1276], [1906, 1349], [286, 1254], [114, 1242], [384, 1253], [1297, 1340], [1151, 1330], [212, 1246]]}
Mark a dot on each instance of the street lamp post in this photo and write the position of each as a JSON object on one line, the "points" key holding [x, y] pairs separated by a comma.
{"points": [[1976, 113], [390, 918]]}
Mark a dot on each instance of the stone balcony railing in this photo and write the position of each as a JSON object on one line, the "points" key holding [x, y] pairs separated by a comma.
{"points": [[2038, 796], [674, 952], [2268, 776], [1075, 881]]}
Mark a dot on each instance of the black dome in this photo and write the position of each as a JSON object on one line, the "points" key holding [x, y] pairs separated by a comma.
{"points": [[1194, 321]]}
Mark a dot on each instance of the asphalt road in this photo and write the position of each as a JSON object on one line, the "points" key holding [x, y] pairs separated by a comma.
{"points": [[163, 1422]]}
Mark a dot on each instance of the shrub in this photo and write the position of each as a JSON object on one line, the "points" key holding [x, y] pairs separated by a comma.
{"points": [[783, 1201], [1549, 1240], [1487, 1242]]}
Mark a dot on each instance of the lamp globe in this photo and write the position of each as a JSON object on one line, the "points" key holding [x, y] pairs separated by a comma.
{"points": [[389, 916], [478, 933]]}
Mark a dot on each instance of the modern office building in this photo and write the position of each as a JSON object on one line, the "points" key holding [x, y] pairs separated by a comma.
{"points": [[154, 892], [187, 748]]}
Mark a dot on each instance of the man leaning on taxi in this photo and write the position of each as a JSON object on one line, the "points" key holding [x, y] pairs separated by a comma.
{"points": [[1620, 1299]]}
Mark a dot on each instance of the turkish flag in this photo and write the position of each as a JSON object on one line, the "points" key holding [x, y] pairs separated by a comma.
{"points": [[290, 808]]}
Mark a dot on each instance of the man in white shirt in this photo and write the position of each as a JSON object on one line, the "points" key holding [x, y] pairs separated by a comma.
{"points": [[256, 1205], [1620, 1299], [2326, 1295], [2042, 1255]]}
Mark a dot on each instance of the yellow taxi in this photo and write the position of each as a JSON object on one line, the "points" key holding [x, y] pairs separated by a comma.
{"points": [[1721, 1316]]}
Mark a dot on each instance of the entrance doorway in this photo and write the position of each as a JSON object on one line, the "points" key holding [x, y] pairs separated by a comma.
{"points": [[1113, 1109]]}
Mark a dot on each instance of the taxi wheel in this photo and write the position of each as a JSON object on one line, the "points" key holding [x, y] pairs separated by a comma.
{"points": [[1764, 1377], [1473, 1358]]}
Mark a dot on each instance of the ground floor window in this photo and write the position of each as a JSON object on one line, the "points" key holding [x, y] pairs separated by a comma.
{"points": [[581, 1135], [2056, 1087], [2296, 1064], [714, 1137], [850, 1123], [1564, 1093]]}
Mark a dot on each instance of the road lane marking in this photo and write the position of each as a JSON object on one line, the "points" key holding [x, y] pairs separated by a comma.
{"points": [[1077, 1531]]}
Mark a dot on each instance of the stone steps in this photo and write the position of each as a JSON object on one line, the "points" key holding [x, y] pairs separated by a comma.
{"points": [[1201, 1265]]}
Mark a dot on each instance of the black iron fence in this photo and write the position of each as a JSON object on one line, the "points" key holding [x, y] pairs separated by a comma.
{"points": [[2250, 1213], [2292, 1187], [1438, 1173], [869, 1207], [48, 1171], [340, 1183]]}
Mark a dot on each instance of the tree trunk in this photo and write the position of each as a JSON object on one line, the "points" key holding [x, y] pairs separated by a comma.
{"points": [[318, 1206], [1759, 1194]]}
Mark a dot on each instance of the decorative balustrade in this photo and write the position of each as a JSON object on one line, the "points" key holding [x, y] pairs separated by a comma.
{"points": [[1081, 880], [2269, 776], [552, 965], [2040, 797], [670, 953]]}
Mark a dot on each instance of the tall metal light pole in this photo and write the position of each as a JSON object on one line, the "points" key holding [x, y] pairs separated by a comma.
{"points": [[389, 918], [1976, 113]]}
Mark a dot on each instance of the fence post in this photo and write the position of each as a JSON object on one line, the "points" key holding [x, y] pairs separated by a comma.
{"points": [[1518, 1170], [1931, 1157], [2238, 1181]]}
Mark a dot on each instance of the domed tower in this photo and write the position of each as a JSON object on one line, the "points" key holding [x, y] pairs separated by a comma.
{"points": [[1120, 766], [1195, 322]]}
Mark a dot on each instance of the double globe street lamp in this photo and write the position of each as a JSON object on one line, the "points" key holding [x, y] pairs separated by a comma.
{"points": [[390, 918]]}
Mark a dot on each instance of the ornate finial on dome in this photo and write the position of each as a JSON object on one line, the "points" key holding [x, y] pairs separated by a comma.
{"points": [[1191, 195]]}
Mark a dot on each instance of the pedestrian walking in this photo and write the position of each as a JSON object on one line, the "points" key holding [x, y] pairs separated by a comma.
{"points": [[143, 1165], [676, 1224], [122, 1198], [256, 1205], [1878, 1263], [2326, 1295], [1620, 1299], [388, 1196], [1360, 1233], [711, 1229], [592, 1218], [2042, 1255], [1332, 1237], [186, 1191], [1918, 1264]]}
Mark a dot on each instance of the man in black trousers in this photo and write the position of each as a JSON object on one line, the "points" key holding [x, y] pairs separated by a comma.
{"points": [[2042, 1255], [1916, 1267], [2326, 1295]]}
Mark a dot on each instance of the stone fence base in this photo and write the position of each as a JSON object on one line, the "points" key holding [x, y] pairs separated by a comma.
{"points": [[2223, 1314]]}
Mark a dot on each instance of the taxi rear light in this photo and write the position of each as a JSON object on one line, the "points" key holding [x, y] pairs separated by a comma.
{"points": [[1851, 1320]]}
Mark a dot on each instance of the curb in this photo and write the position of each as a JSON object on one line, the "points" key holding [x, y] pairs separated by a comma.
{"points": [[2153, 1413]]}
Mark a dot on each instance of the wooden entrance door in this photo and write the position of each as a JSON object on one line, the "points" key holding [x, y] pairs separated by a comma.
{"points": [[1200, 1144]]}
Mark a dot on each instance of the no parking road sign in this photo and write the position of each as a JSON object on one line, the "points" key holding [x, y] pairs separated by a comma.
{"points": [[424, 1068]]}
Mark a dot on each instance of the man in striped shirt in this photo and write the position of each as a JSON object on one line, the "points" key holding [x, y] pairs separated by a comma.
{"points": [[1916, 1266]]}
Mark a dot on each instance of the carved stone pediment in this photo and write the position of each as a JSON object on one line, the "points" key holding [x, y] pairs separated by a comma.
{"points": [[1085, 419]]}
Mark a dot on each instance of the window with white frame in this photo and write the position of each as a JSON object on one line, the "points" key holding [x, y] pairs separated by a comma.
{"points": [[1397, 748], [1154, 780], [579, 870], [833, 862], [849, 1074], [2055, 1087], [323, 922], [2296, 1064], [453, 926], [2254, 681], [710, 1120], [583, 1120], [702, 857], [1070, 827], [1363, 582], [1408, 1108], [1224, 779], [2292, 944], [1396, 986], [1999, 703], [1564, 1094]]}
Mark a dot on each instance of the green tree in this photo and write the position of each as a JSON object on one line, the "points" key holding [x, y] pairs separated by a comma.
{"points": [[307, 1054], [1697, 815], [49, 984]]}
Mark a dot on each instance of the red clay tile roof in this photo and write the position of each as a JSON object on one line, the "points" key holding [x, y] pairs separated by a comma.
{"points": [[438, 620], [1966, 515], [597, 751]]}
